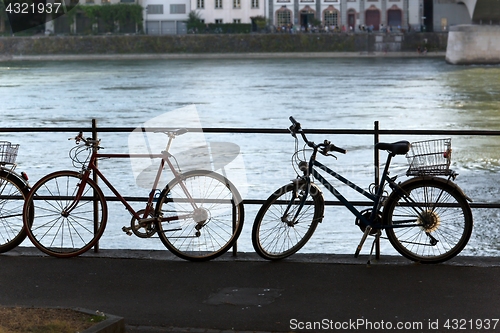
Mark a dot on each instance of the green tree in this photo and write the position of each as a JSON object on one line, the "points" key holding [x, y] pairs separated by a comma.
{"points": [[260, 21], [194, 21]]}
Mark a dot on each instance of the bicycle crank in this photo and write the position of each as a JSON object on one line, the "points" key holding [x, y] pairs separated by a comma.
{"points": [[139, 228], [367, 214]]}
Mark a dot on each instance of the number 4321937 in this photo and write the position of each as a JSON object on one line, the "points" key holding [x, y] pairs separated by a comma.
{"points": [[33, 8]]}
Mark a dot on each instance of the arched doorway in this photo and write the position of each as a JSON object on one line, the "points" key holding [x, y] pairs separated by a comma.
{"points": [[306, 17], [394, 17], [331, 17], [351, 19], [283, 17], [372, 17]]}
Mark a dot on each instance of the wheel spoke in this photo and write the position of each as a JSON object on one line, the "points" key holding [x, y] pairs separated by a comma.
{"points": [[57, 229], [204, 222], [275, 234], [438, 220]]}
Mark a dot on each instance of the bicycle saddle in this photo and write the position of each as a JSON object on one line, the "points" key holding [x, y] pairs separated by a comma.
{"points": [[397, 148]]}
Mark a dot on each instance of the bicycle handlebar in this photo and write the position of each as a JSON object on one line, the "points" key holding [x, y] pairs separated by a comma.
{"points": [[326, 145], [88, 141]]}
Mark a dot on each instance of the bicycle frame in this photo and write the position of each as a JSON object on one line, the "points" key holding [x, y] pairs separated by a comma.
{"points": [[92, 167], [375, 198]]}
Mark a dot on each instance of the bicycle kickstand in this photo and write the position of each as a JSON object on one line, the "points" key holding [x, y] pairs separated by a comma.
{"points": [[368, 229], [377, 239]]}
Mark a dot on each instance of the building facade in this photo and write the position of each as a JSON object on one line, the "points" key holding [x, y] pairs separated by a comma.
{"points": [[347, 15], [169, 16], [166, 17], [228, 11]]}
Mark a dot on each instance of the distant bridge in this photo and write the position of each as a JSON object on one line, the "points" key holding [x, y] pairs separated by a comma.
{"points": [[483, 11]]}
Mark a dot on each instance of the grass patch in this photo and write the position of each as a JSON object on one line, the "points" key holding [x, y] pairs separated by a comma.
{"points": [[40, 320]]}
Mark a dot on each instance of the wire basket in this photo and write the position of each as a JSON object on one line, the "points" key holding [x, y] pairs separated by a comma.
{"points": [[8, 152], [430, 157]]}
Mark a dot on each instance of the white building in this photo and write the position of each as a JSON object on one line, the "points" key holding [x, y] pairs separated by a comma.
{"points": [[228, 11], [164, 17]]}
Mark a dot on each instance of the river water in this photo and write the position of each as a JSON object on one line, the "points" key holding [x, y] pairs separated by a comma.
{"points": [[345, 93]]}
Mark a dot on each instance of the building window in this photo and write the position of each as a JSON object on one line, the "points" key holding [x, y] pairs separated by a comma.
{"points": [[237, 21], [105, 2], [237, 4], [331, 18], [218, 3], [283, 17], [178, 9], [127, 1], [218, 21], [155, 9], [200, 4], [255, 3]]}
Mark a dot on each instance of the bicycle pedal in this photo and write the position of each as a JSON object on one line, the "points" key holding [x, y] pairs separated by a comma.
{"points": [[127, 231]]}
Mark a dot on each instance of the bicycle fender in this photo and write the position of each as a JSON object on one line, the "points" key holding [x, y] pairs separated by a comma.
{"points": [[5, 173], [435, 179]]}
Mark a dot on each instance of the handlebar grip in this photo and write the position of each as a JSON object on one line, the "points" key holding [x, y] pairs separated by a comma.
{"points": [[295, 122], [337, 149]]}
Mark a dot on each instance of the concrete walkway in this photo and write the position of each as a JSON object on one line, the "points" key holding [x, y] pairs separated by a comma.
{"points": [[156, 292]]}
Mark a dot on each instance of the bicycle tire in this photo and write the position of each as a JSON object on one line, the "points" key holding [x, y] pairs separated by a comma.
{"points": [[13, 193], [443, 213], [212, 228], [59, 233], [272, 237]]}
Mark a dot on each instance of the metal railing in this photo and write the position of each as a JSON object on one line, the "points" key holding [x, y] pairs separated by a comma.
{"points": [[376, 132]]}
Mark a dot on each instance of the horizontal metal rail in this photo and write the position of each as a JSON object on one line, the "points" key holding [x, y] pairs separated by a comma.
{"points": [[252, 130], [375, 132]]}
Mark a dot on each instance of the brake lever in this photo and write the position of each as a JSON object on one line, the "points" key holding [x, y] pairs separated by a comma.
{"points": [[328, 154]]}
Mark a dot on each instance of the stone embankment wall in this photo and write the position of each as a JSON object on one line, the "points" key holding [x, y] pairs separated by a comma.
{"points": [[220, 43], [474, 44]]}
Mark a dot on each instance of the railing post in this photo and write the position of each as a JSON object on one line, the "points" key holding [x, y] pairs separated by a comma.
{"points": [[95, 178], [377, 177], [376, 154], [235, 245]]}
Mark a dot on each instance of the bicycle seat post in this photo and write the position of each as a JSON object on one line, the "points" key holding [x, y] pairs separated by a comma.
{"points": [[171, 136]]}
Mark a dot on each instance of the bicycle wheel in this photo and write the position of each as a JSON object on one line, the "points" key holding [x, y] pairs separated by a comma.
{"points": [[204, 223], [13, 192], [432, 220], [61, 226], [275, 233]]}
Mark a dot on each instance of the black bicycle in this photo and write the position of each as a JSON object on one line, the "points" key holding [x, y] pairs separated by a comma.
{"points": [[427, 218]]}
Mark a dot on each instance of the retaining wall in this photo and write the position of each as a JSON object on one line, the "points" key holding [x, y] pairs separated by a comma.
{"points": [[220, 43], [474, 44]]}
